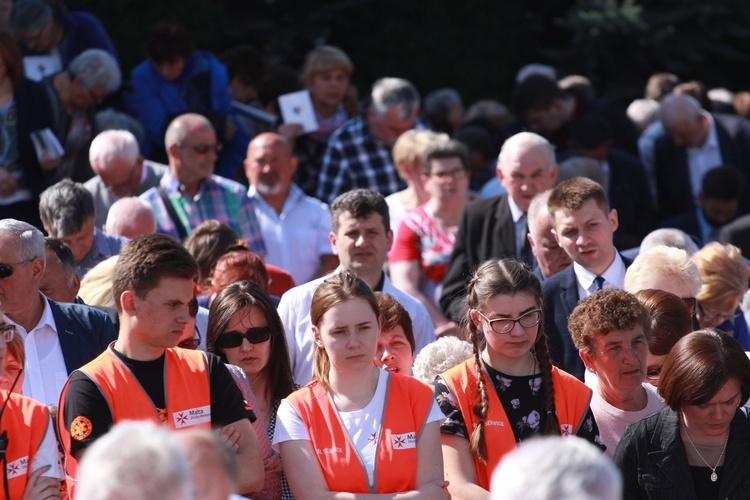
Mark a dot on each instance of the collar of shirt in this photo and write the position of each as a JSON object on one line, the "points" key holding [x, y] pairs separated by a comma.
{"points": [[171, 184], [515, 211], [614, 275], [47, 319], [293, 198]]}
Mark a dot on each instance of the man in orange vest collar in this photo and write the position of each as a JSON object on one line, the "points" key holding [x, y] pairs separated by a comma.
{"points": [[143, 376]]}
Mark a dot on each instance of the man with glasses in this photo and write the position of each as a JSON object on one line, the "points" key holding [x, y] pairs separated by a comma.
{"points": [[189, 193], [120, 171], [59, 338], [144, 376]]}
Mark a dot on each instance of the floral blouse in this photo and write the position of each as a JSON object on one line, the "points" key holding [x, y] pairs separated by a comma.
{"points": [[522, 401]]}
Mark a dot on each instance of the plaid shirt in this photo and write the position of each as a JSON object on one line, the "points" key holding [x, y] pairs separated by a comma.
{"points": [[355, 159], [217, 198]]}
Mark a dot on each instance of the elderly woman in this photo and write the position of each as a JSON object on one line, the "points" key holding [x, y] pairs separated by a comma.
{"points": [[611, 329], [699, 446], [725, 275]]}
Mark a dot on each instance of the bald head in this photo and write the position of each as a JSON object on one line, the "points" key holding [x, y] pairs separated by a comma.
{"points": [[270, 166], [684, 120], [526, 167], [182, 126], [130, 217], [212, 465]]}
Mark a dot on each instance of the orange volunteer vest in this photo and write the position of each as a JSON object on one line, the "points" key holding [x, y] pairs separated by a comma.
{"points": [[572, 399], [187, 396], [407, 405], [26, 422]]}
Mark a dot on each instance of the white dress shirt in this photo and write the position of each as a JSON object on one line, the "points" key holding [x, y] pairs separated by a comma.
{"points": [[614, 277]]}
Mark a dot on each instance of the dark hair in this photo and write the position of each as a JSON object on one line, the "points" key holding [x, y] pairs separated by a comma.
{"points": [[245, 62], [697, 90], [572, 194], [168, 41], [604, 312], [506, 277], [360, 203], [589, 131], [670, 319], [11, 57], [239, 263], [340, 287], [722, 183], [64, 255], [145, 260], [209, 241], [536, 92], [240, 296], [699, 365], [444, 149], [393, 314]]}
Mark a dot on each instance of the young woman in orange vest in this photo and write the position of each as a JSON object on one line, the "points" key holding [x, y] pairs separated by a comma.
{"points": [[509, 391], [356, 429]]}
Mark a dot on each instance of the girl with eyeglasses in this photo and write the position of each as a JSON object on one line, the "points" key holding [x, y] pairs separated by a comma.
{"points": [[357, 429], [509, 391], [244, 329]]}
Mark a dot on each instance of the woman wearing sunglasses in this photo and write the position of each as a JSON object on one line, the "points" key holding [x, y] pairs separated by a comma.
{"points": [[244, 329], [509, 391], [356, 429]]}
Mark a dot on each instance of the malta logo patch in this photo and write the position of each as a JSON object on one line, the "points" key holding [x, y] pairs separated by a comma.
{"points": [[566, 429], [404, 441], [81, 428], [193, 416], [17, 467]]}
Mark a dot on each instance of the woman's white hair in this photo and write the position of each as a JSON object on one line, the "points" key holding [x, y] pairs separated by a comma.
{"points": [[440, 356]]}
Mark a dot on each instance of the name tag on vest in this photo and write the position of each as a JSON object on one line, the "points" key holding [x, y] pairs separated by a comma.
{"points": [[404, 441], [17, 467], [193, 416]]}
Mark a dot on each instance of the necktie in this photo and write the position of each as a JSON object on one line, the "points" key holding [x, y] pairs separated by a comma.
{"points": [[526, 255], [598, 283]]}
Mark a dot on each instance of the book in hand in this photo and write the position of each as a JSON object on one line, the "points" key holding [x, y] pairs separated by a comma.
{"points": [[46, 145], [297, 107]]}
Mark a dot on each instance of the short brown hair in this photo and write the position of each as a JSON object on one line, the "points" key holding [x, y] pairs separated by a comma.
{"points": [[604, 312], [209, 241], [145, 260], [445, 149], [571, 194], [393, 314], [699, 365], [670, 319], [239, 264], [325, 58]]}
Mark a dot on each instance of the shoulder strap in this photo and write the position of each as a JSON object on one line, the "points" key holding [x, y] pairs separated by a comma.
{"points": [[172, 213]]}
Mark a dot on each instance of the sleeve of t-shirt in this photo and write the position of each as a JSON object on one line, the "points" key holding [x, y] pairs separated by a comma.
{"points": [[407, 244], [47, 454], [87, 410], [227, 403], [289, 425]]}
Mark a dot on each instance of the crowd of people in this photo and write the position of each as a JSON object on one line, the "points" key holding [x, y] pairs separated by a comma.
{"points": [[415, 300]]}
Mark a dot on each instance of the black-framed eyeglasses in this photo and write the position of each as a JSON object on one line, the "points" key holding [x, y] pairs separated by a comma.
{"points": [[6, 270], [192, 343], [718, 316], [653, 374], [691, 303], [7, 331], [202, 148], [505, 325], [255, 335]]}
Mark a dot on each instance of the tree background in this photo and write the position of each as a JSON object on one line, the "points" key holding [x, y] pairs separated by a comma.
{"points": [[475, 46]]}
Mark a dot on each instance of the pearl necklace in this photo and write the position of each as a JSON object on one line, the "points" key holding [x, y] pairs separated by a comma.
{"points": [[714, 476]]}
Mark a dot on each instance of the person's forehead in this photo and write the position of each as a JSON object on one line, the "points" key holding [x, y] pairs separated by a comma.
{"points": [[268, 146], [200, 131], [619, 336], [527, 158], [9, 246], [397, 332], [346, 219], [590, 210]]}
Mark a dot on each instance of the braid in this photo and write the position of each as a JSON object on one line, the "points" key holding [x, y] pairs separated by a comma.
{"points": [[478, 446], [548, 390]]}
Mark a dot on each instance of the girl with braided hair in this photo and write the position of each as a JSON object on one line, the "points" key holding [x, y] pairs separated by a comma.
{"points": [[509, 391]]}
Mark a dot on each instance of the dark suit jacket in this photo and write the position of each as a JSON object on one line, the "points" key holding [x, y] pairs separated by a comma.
{"points": [[653, 462], [737, 233], [84, 332], [560, 298], [671, 165], [687, 222], [629, 195], [486, 231]]}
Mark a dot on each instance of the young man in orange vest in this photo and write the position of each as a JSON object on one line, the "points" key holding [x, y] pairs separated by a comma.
{"points": [[143, 376]]}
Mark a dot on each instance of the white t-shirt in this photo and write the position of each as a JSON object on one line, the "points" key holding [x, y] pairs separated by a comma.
{"points": [[362, 426]]}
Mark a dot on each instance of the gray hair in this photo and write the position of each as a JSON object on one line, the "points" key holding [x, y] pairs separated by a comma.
{"points": [[581, 166], [441, 101], [64, 256], [671, 237], [526, 139], [112, 144], [135, 460], [539, 202], [391, 92], [29, 15], [565, 468], [662, 261], [64, 207], [96, 68], [30, 239], [126, 214], [440, 356], [109, 119], [643, 112]]}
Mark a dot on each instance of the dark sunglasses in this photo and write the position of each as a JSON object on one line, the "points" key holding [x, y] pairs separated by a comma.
{"points": [[202, 149], [193, 307], [256, 335], [6, 270], [192, 343]]}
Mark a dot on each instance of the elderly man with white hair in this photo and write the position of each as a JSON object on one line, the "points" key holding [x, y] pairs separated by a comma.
{"points": [[130, 217], [120, 170]]}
